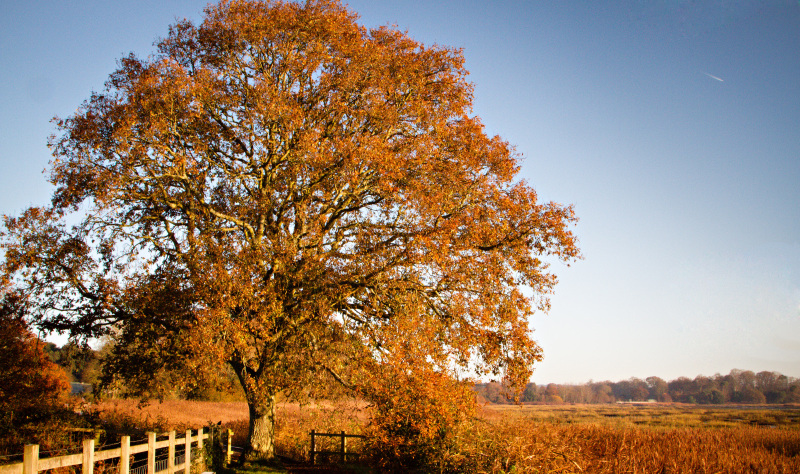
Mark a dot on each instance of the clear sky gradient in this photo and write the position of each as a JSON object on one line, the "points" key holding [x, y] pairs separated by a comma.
{"points": [[672, 126]]}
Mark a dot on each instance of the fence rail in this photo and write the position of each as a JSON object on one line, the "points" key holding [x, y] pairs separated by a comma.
{"points": [[33, 464], [342, 451]]}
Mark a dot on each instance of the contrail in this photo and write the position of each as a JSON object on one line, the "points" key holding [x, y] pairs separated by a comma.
{"points": [[713, 77]]}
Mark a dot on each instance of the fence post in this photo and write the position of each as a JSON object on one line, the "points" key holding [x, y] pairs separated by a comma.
{"points": [[200, 440], [125, 455], [313, 447], [151, 452], [187, 453], [30, 459], [171, 455], [229, 450], [88, 456], [344, 446]]}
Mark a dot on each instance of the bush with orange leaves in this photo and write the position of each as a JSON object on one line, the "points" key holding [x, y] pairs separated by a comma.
{"points": [[416, 419], [33, 390]]}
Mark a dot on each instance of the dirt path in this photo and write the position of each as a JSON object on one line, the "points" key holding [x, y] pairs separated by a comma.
{"points": [[293, 467]]}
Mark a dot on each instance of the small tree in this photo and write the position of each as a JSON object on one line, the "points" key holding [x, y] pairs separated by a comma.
{"points": [[552, 394], [32, 388], [30, 384], [530, 394], [417, 417], [282, 190], [657, 387]]}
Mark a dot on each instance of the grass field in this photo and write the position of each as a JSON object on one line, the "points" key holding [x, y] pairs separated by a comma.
{"points": [[292, 431], [665, 416], [551, 438], [631, 438]]}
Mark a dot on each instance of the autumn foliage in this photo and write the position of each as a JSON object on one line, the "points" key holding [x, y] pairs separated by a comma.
{"points": [[29, 382], [33, 390], [415, 418], [307, 201]]}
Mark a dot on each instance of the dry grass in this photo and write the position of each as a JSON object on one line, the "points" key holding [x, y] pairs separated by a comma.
{"points": [[294, 425], [545, 447], [597, 439], [292, 430], [176, 414], [659, 416], [633, 439]]}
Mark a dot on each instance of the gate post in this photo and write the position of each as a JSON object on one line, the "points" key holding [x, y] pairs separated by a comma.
{"points": [[229, 449], [313, 447], [344, 447]]}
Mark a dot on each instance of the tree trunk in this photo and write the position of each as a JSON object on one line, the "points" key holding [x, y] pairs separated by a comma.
{"points": [[262, 429]]}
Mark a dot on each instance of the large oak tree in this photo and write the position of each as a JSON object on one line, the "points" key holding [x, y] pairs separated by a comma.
{"points": [[284, 191]]}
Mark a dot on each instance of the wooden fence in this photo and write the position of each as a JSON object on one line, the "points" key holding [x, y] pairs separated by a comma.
{"points": [[33, 464], [342, 445]]}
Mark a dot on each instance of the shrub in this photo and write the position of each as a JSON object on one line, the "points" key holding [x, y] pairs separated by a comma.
{"points": [[416, 421], [34, 403]]}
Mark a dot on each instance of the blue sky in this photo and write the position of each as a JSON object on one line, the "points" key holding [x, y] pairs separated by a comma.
{"points": [[687, 186]]}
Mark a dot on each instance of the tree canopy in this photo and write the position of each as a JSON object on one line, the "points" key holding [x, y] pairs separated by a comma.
{"points": [[284, 191]]}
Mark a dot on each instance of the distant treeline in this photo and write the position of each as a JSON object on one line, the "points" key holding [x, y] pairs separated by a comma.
{"points": [[739, 386]]}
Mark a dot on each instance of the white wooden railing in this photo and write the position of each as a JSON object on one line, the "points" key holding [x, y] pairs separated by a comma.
{"points": [[33, 464]]}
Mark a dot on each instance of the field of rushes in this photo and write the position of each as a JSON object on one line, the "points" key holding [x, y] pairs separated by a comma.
{"points": [[666, 416], [552, 438], [179, 413], [519, 446], [632, 439], [175, 414], [293, 426]]}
